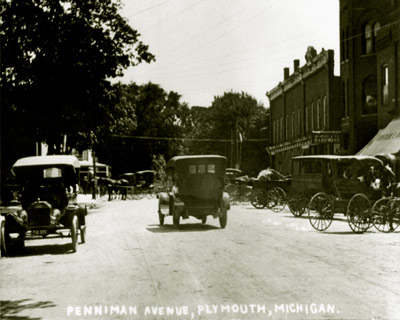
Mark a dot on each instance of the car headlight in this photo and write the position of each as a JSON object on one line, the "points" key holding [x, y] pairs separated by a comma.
{"points": [[55, 216], [23, 216]]}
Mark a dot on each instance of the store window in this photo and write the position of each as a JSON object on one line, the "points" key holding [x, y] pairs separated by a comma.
{"points": [[369, 103]]}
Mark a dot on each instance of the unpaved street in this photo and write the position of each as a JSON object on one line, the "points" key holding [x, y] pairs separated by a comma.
{"points": [[264, 265]]}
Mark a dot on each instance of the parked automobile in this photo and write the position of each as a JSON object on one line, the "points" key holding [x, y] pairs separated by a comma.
{"points": [[48, 202], [195, 187]]}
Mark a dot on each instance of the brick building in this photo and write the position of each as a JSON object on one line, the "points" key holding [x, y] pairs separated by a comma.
{"points": [[369, 67], [305, 111]]}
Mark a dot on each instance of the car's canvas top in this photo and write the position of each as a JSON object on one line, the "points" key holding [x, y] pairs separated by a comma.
{"points": [[178, 159], [47, 160]]}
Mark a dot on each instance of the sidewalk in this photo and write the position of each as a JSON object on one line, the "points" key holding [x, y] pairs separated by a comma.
{"points": [[89, 202]]}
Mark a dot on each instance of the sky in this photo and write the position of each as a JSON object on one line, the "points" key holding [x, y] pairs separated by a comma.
{"points": [[204, 48]]}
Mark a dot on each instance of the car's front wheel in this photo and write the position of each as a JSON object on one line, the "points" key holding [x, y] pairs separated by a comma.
{"points": [[3, 238], [223, 218], [74, 233]]}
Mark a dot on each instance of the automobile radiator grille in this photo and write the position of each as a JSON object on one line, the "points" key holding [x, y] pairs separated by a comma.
{"points": [[39, 217]]}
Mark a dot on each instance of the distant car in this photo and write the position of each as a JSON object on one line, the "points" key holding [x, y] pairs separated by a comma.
{"points": [[48, 202], [195, 187]]}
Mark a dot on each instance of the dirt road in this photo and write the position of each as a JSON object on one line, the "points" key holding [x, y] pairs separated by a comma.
{"points": [[264, 265]]}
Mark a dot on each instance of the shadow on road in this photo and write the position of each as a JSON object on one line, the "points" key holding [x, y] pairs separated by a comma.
{"points": [[53, 249], [10, 309], [186, 227]]}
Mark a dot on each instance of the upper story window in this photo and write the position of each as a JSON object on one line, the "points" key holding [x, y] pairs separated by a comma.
{"points": [[307, 119], [299, 122], [385, 84], [370, 32], [345, 44], [325, 112]]}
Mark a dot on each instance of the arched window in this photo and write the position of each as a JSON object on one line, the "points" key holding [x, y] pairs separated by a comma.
{"points": [[377, 26], [370, 32], [367, 39]]}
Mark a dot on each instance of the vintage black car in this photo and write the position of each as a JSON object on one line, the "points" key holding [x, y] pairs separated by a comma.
{"points": [[48, 202], [195, 187]]}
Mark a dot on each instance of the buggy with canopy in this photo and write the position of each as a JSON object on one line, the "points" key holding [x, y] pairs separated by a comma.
{"points": [[333, 184]]}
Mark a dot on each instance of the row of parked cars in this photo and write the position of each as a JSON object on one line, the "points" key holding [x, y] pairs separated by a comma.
{"points": [[48, 203]]}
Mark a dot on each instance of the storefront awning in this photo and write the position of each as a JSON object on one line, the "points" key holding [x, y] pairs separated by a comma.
{"points": [[386, 141]]}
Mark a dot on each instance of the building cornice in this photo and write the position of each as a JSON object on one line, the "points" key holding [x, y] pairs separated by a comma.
{"points": [[312, 66]]}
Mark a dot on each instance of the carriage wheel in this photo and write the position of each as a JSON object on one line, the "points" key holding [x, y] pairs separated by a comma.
{"points": [[386, 214], [233, 191], [297, 203], [321, 211], [258, 198], [359, 213], [276, 199]]}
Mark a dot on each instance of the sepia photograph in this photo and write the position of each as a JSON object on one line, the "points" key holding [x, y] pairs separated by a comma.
{"points": [[200, 160]]}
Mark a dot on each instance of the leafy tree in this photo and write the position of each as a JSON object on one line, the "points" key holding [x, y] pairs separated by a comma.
{"points": [[158, 122], [57, 59], [235, 126]]}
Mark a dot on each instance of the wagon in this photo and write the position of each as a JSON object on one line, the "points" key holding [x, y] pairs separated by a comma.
{"points": [[269, 190], [48, 205], [337, 184], [195, 187]]}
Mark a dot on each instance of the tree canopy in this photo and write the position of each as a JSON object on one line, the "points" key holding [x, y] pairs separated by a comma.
{"points": [[148, 122], [57, 59], [234, 125]]}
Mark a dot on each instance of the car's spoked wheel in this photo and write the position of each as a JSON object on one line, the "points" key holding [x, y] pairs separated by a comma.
{"points": [[320, 211], [4, 240], [297, 204], [276, 199], [74, 232], [258, 198], [385, 215], [223, 218], [359, 213]]}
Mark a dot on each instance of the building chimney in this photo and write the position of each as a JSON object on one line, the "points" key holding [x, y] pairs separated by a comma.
{"points": [[296, 64], [285, 73]]}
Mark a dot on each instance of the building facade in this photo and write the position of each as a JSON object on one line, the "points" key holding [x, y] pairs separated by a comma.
{"points": [[369, 68], [306, 111]]}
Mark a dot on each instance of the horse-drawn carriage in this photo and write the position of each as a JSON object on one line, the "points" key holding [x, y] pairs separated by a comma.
{"points": [[348, 185], [269, 190]]}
